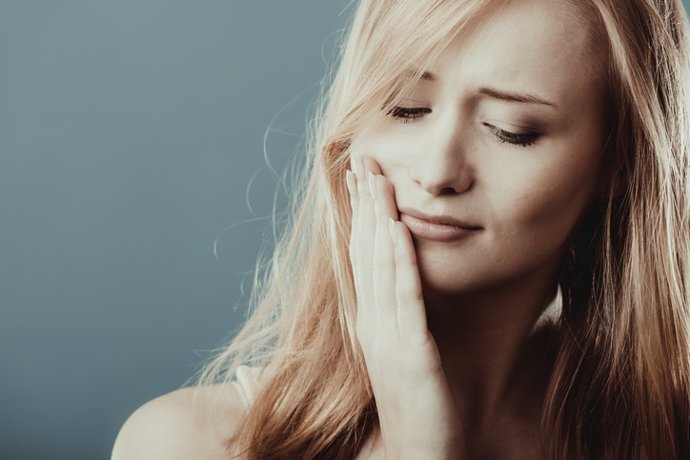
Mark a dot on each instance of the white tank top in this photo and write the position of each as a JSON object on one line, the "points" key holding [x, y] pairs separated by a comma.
{"points": [[246, 381]]}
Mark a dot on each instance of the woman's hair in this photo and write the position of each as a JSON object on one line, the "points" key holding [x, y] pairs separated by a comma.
{"points": [[620, 387]]}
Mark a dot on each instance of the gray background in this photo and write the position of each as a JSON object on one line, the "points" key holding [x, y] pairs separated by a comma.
{"points": [[133, 194], [129, 132]]}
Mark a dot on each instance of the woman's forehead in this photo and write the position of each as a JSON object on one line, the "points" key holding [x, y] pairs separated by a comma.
{"points": [[538, 47]]}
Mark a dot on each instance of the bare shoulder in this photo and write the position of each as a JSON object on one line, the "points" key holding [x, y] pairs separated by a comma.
{"points": [[188, 423]]}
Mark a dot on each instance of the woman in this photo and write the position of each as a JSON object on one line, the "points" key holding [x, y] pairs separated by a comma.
{"points": [[505, 157]]}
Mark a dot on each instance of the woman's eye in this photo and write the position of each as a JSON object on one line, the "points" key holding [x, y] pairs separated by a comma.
{"points": [[407, 114], [521, 139]]}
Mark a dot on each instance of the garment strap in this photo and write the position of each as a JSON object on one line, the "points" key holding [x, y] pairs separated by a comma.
{"points": [[246, 379]]}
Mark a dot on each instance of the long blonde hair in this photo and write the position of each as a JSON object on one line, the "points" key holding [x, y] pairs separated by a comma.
{"points": [[621, 381]]}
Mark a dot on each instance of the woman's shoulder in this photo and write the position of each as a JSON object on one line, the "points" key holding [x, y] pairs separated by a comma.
{"points": [[186, 423]]}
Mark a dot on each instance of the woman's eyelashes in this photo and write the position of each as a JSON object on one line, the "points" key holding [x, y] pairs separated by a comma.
{"points": [[408, 114], [521, 139]]}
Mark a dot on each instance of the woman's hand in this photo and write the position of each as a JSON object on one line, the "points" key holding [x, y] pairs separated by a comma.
{"points": [[416, 413]]}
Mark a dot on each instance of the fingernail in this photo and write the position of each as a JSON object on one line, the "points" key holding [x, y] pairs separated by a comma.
{"points": [[391, 229], [372, 185]]}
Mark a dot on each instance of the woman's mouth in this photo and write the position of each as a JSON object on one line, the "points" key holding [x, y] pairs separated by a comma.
{"points": [[428, 230]]}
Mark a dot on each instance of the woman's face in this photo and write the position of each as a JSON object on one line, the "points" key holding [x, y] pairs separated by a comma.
{"points": [[504, 132]]}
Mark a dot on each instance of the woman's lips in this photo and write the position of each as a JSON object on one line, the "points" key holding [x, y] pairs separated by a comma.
{"points": [[435, 231]]}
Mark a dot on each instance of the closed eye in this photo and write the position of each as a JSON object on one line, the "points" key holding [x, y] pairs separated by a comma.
{"points": [[407, 114], [521, 139]]}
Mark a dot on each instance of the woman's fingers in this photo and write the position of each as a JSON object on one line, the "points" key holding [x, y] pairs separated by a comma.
{"points": [[384, 254], [383, 268], [389, 293], [370, 164], [351, 180], [400, 289], [385, 195], [371, 247], [408, 288], [362, 244], [412, 397]]}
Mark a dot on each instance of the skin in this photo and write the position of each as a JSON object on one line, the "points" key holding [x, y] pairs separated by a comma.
{"points": [[448, 328]]}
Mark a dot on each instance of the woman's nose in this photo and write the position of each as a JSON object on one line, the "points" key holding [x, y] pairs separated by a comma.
{"points": [[441, 165]]}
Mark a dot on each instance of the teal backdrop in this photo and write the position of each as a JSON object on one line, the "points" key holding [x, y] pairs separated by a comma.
{"points": [[134, 193]]}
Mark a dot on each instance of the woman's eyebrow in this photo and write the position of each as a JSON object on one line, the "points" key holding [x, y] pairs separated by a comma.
{"points": [[515, 97], [498, 94]]}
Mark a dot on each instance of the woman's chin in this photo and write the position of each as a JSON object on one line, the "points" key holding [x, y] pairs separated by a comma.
{"points": [[446, 282], [445, 270]]}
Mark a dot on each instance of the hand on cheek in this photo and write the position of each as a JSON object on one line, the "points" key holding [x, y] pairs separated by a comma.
{"points": [[416, 412]]}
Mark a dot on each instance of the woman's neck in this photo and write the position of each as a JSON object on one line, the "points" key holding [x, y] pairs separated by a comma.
{"points": [[494, 350]]}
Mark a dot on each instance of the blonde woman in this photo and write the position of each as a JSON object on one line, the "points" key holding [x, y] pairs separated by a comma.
{"points": [[487, 257]]}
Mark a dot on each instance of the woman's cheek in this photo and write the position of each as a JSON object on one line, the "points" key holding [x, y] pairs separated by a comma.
{"points": [[381, 148], [547, 211]]}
